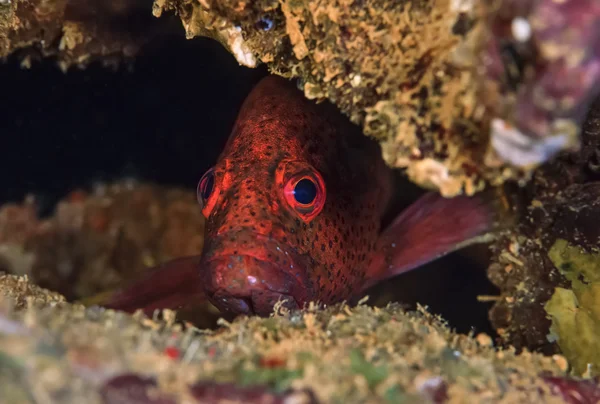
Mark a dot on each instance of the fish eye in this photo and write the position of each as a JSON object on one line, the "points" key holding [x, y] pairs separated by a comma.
{"points": [[305, 193], [206, 186]]}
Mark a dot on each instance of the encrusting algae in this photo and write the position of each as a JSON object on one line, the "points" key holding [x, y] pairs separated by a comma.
{"points": [[459, 93], [100, 238], [440, 84], [77, 33], [547, 266], [575, 312], [403, 71], [411, 74], [339, 354]]}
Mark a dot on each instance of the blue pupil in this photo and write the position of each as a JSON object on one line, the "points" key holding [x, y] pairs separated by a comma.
{"points": [[305, 191], [207, 187]]}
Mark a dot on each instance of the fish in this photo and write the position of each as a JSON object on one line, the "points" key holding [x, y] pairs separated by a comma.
{"points": [[294, 210]]}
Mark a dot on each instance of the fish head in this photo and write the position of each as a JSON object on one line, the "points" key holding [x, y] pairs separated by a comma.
{"points": [[284, 214], [255, 253]]}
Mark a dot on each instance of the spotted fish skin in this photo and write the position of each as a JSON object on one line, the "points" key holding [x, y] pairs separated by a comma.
{"points": [[256, 243], [262, 245]]}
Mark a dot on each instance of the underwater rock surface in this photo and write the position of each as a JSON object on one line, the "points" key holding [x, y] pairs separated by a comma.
{"points": [[411, 74], [53, 350], [395, 68], [96, 241], [76, 32], [544, 57], [547, 267], [459, 93]]}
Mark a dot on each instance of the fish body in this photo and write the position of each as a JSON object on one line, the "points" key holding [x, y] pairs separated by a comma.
{"points": [[294, 207]]}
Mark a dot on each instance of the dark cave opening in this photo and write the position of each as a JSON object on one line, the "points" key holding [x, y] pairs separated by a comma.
{"points": [[166, 120], [85, 126]]}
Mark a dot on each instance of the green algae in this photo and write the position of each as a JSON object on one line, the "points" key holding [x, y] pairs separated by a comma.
{"points": [[279, 379], [575, 312], [372, 374], [574, 262]]}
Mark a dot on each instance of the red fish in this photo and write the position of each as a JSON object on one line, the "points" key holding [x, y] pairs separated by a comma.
{"points": [[294, 207]]}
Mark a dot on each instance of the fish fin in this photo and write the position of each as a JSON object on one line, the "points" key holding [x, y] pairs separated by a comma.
{"points": [[172, 285], [434, 226]]}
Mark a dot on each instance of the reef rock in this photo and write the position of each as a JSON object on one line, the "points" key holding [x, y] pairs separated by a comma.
{"points": [[54, 351], [547, 267], [459, 93], [77, 32]]}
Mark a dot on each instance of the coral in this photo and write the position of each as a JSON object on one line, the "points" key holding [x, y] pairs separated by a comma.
{"points": [[340, 354], [431, 82], [76, 32], [428, 79], [547, 266], [22, 292], [576, 392], [545, 57], [459, 93], [402, 70], [98, 240]]}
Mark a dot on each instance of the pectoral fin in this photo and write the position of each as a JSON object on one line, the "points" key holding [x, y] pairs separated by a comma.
{"points": [[432, 227], [172, 285]]}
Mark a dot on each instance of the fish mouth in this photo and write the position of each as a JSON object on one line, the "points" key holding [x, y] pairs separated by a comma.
{"points": [[246, 284], [260, 302]]}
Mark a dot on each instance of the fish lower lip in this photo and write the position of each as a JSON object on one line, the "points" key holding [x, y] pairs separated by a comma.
{"points": [[260, 302], [231, 304]]}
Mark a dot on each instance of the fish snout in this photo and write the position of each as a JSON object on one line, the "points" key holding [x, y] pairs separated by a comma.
{"points": [[243, 284]]}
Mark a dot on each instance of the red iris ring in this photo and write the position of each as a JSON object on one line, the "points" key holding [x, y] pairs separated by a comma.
{"points": [[310, 210], [203, 191]]}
